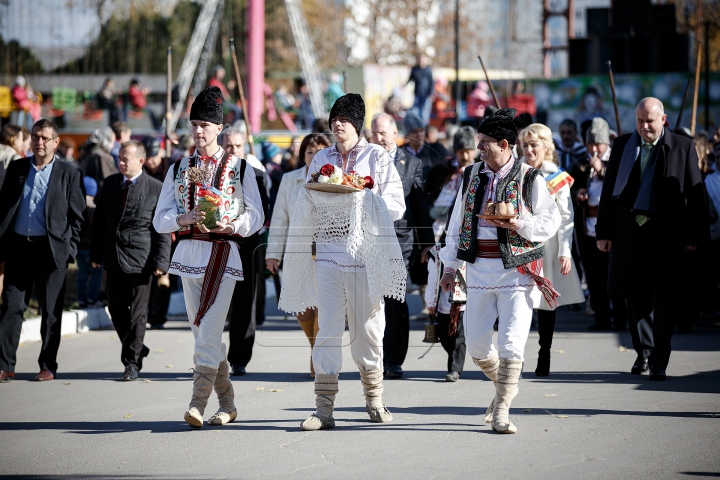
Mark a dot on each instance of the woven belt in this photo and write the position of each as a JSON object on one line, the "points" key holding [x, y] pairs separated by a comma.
{"points": [[488, 249]]}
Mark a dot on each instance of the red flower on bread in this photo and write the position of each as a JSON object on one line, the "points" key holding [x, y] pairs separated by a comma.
{"points": [[327, 170], [369, 183]]}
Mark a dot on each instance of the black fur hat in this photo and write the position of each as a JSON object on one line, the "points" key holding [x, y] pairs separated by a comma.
{"points": [[500, 125], [350, 106], [465, 139], [206, 106]]}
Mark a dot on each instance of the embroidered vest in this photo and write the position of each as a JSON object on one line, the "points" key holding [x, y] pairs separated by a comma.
{"points": [[227, 179], [515, 187]]}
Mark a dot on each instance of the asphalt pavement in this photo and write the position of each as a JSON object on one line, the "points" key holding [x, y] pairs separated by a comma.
{"points": [[589, 419]]}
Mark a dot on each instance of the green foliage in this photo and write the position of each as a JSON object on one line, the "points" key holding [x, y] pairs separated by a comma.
{"points": [[18, 60]]}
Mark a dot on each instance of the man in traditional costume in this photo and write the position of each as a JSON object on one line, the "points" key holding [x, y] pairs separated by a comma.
{"points": [[358, 261], [504, 258], [212, 201]]}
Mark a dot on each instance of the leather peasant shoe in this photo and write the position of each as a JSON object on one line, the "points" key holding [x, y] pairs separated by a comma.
{"points": [[640, 366], [222, 417], [318, 422], [193, 417], [130, 374], [6, 377], [394, 371], [657, 375], [44, 375], [452, 376], [379, 414]]}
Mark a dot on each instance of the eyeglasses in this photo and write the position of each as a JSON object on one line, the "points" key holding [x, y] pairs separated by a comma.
{"points": [[38, 138]]}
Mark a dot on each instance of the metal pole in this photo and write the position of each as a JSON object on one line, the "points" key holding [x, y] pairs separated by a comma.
{"points": [[615, 104], [345, 81], [238, 80], [682, 105], [256, 63], [707, 76], [698, 61]]}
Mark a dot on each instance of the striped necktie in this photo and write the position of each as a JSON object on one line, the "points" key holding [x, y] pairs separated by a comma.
{"points": [[646, 151]]}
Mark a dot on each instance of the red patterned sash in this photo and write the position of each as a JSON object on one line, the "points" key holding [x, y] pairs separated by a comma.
{"points": [[546, 287], [213, 274]]}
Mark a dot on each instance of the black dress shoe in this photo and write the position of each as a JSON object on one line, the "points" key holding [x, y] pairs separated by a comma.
{"points": [[238, 370], [131, 373], [143, 353], [640, 365], [452, 376], [394, 371], [657, 375], [543, 365]]}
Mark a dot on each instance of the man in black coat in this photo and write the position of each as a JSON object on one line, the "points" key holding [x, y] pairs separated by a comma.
{"points": [[415, 220], [42, 202], [127, 244], [652, 209], [251, 292]]}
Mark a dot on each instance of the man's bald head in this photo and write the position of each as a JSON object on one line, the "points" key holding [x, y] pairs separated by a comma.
{"points": [[650, 118]]}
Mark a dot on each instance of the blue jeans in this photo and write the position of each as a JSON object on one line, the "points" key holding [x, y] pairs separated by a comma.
{"points": [[423, 107], [88, 278]]}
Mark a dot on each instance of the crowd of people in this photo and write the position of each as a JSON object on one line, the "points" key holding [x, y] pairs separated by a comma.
{"points": [[493, 224]]}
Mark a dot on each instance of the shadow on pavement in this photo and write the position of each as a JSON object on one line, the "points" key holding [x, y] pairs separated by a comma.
{"points": [[109, 376], [704, 382]]}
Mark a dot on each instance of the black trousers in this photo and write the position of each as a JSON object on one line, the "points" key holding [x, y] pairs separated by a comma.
{"points": [[546, 329], [454, 346], [397, 332], [128, 296], [248, 304], [31, 263], [596, 264], [652, 305]]}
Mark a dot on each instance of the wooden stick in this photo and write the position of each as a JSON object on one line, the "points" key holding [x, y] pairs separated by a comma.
{"points": [[487, 79], [168, 103], [345, 82], [242, 96], [615, 103], [682, 106], [698, 62], [693, 119]]}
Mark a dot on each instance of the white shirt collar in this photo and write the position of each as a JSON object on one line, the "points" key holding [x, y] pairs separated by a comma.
{"points": [[135, 178]]}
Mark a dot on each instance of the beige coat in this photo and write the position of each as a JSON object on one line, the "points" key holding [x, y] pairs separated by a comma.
{"points": [[560, 245], [7, 155], [290, 186]]}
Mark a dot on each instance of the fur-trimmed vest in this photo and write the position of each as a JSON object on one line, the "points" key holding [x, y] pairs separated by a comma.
{"points": [[515, 187]]}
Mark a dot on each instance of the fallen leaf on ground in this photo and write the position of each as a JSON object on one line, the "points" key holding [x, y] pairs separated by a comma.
{"points": [[67, 383], [22, 344], [408, 418], [147, 380], [547, 430], [560, 351], [563, 416], [551, 394], [528, 410], [622, 349], [127, 415], [168, 366], [259, 388], [159, 351], [275, 390]]}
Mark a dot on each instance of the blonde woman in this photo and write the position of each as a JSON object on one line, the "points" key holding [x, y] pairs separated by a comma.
{"points": [[291, 184], [558, 267]]}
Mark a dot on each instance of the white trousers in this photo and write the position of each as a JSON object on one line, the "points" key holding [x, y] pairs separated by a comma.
{"points": [[514, 310], [209, 348], [340, 294]]}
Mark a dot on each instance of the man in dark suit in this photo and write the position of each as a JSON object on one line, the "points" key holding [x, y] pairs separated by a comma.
{"points": [[416, 220], [652, 210], [42, 202], [244, 320], [126, 243]]}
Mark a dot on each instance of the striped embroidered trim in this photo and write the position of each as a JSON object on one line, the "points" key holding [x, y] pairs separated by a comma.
{"points": [[338, 264], [501, 286], [200, 270]]}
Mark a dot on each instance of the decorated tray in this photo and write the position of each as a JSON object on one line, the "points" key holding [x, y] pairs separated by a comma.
{"points": [[497, 217], [331, 187]]}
